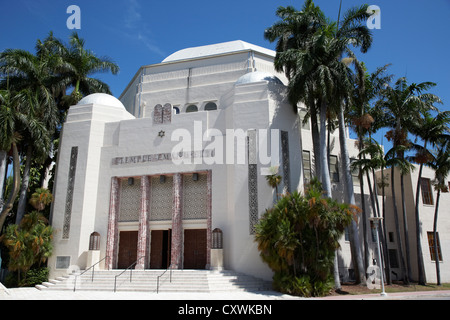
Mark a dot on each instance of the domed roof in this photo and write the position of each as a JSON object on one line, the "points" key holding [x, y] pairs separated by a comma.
{"points": [[258, 76], [217, 49], [103, 99]]}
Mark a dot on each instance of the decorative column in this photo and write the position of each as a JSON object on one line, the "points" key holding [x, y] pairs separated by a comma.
{"points": [[177, 222], [143, 220], [112, 237], [208, 218]]}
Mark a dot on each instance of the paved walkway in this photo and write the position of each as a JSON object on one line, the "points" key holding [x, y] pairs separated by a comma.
{"points": [[35, 294]]}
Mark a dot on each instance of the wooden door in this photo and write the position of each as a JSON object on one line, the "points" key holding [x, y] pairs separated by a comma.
{"points": [[194, 249], [156, 249], [160, 249], [127, 249]]}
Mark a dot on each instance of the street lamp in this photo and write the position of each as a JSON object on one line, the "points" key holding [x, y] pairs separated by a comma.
{"points": [[376, 221]]}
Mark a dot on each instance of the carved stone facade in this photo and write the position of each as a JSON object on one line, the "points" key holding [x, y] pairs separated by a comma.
{"points": [[153, 195]]}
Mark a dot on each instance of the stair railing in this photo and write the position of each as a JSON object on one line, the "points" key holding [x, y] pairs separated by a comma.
{"points": [[131, 272], [169, 268], [92, 278]]}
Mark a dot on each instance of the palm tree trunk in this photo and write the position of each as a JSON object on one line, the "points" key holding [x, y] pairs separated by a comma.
{"points": [[405, 228], [25, 182], [421, 267], [15, 188], [3, 169], [436, 253], [316, 143], [382, 237], [386, 256], [326, 182], [397, 229], [363, 208], [355, 246]]}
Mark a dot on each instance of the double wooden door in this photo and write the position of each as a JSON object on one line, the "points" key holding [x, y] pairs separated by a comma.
{"points": [[194, 249]]}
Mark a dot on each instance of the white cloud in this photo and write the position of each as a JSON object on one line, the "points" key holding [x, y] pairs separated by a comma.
{"points": [[137, 29]]}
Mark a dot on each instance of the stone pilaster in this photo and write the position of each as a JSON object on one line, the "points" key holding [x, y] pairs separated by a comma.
{"points": [[112, 236], [177, 222], [143, 221], [208, 218]]}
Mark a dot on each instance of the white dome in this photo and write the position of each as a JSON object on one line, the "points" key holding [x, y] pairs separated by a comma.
{"points": [[103, 99], [217, 49], [258, 76]]}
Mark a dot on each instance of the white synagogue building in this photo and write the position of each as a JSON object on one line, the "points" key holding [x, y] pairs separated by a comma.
{"points": [[173, 172]]}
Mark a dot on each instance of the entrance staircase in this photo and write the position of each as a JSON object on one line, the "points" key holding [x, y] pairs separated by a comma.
{"points": [[147, 281]]}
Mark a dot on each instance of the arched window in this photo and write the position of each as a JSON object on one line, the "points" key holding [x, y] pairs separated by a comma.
{"points": [[158, 114], [176, 110], [210, 106], [167, 113], [192, 108], [217, 239], [94, 241]]}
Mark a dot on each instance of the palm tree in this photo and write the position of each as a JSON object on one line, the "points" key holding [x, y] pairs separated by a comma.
{"points": [[366, 87], [46, 76], [274, 179], [376, 160], [396, 160], [431, 130], [295, 32], [349, 30], [41, 198], [76, 66], [309, 51], [9, 136], [441, 166], [402, 104], [32, 76], [28, 243]]}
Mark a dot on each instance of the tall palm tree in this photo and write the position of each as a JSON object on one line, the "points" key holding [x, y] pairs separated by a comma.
{"points": [[431, 130], [32, 75], [10, 118], [441, 166], [309, 51], [366, 87], [351, 31], [76, 67], [402, 105], [395, 161], [376, 160], [295, 32]]}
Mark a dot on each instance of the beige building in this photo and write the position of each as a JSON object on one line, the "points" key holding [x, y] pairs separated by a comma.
{"points": [[173, 172]]}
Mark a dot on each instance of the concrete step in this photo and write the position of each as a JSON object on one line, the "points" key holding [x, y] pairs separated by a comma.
{"points": [[146, 280]]}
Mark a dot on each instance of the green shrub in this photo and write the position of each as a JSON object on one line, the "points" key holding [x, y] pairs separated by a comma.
{"points": [[298, 238], [35, 276]]}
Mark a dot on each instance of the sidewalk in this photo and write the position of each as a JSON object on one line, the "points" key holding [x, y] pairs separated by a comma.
{"points": [[35, 294], [416, 295]]}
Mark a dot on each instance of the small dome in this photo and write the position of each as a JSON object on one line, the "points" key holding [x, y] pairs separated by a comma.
{"points": [[258, 76], [103, 99]]}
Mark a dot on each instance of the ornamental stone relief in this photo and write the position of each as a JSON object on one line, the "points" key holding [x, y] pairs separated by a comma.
{"points": [[195, 197], [130, 200], [161, 198], [69, 194]]}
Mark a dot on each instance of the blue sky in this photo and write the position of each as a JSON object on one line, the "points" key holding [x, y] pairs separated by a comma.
{"points": [[413, 36]]}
